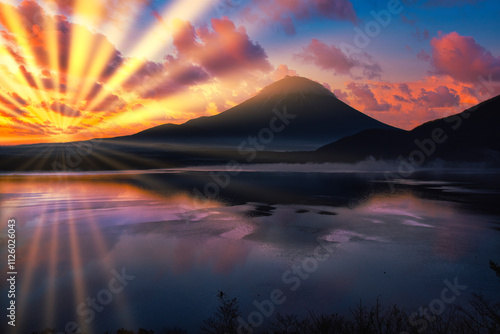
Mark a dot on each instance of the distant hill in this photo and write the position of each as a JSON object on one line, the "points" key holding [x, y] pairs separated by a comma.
{"points": [[315, 117], [471, 136]]}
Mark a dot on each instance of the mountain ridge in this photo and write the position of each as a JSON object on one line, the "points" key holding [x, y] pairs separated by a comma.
{"points": [[320, 119]]}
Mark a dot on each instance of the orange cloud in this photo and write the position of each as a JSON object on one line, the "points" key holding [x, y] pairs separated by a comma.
{"points": [[409, 104], [364, 95]]}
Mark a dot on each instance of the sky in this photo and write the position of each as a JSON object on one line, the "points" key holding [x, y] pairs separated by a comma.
{"points": [[81, 69]]}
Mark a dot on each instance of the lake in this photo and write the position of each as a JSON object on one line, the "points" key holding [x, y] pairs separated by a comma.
{"points": [[100, 251]]}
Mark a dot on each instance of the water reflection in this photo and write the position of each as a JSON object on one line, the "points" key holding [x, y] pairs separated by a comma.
{"points": [[73, 231]]}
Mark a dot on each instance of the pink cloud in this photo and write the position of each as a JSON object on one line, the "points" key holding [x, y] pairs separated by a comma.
{"points": [[28, 77], [200, 55], [281, 72], [462, 58], [226, 48], [110, 104], [341, 95], [403, 87], [418, 32], [423, 55], [158, 80], [330, 57], [8, 104], [440, 97], [64, 110], [19, 99], [365, 96], [185, 37]]}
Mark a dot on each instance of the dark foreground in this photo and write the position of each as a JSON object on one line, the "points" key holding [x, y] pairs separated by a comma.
{"points": [[480, 315]]}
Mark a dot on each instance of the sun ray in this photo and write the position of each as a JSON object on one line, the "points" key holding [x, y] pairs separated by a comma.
{"points": [[35, 158], [17, 114], [104, 51], [25, 86], [79, 286], [155, 81], [52, 277], [14, 23], [8, 110], [187, 9], [108, 260], [82, 46], [30, 266], [53, 54], [103, 157]]}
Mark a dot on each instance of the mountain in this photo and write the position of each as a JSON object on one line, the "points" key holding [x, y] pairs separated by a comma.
{"points": [[471, 136], [292, 113]]}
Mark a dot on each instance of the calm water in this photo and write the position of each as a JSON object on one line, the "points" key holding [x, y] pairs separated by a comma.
{"points": [[76, 233]]}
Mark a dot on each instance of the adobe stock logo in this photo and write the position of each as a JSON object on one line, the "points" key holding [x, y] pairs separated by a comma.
{"points": [[87, 309], [292, 279], [227, 7], [449, 294], [372, 29]]}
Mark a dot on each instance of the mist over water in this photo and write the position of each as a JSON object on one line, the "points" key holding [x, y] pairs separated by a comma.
{"points": [[398, 243]]}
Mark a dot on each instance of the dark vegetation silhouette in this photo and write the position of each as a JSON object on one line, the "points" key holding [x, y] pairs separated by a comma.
{"points": [[225, 318]]}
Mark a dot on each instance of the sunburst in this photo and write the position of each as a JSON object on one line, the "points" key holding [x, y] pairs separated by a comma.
{"points": [[75, 66]]}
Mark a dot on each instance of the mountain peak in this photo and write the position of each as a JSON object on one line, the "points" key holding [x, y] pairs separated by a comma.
{"points": [[302, 115], [290, 85]]}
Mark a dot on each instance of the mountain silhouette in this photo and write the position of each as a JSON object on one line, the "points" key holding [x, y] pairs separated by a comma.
{"points": [[301, 114], [470, 136]]}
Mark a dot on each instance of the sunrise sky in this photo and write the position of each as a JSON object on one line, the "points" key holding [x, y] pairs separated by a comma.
{"points": [[79, 69]]}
